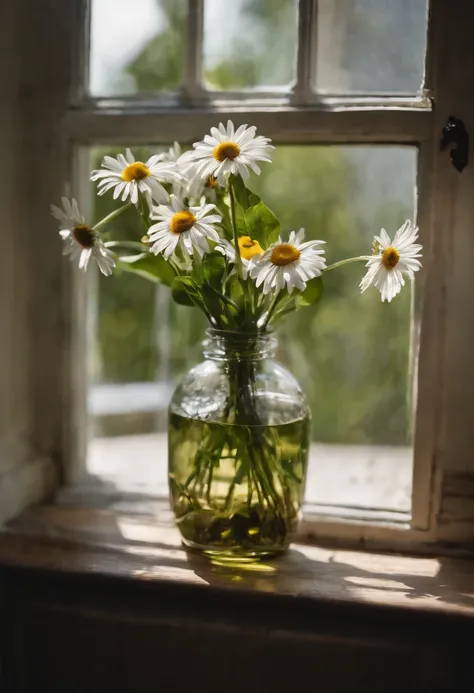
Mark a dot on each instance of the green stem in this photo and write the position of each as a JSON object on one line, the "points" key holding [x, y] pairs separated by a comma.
{"points": [[267, 483], [209, 482], [246, 415], [144, 209], [257, 489], [272, 308], [133, 245], [230, 494], [238, 259], [249, 488], [113, 215], [176, 267], [361, 258]]}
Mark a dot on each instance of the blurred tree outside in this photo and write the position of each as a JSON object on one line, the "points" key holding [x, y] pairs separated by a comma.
{"points": [[350, 352]]}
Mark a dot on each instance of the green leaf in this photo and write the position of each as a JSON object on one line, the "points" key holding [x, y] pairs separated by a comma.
{"points": [[312, 293], [241, 192], [184, 292], [253, 218], [214, 303], [240, 220], [242, 203], [235, 290], [213, 268], [153, 267], [224, 211], [254, 199], [263, 225], [208, 289]]}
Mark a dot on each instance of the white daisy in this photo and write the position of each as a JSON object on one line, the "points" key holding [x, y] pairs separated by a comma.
{"points": [[226, 151], [173, 153], [196, 187], [186, 227], [392, 261], [292, 263], [250, 251], [129, 177], [81, 242]]}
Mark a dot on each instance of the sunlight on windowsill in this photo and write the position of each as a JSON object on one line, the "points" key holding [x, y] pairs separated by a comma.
{"points": [[354, 476]]}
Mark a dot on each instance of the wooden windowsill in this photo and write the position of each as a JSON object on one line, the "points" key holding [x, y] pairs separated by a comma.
{"points": [[144, 548], [356, 476]]}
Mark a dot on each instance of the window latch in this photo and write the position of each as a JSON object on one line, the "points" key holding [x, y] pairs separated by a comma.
{"points": [[455, 136]]}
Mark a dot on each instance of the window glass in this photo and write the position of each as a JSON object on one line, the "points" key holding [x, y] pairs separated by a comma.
{"points": [[249, 43], [371, 46], [136, 46], [350, 352]]}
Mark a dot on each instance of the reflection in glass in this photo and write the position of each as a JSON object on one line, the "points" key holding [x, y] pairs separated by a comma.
{"points": [[136, 46], [371, 46]]}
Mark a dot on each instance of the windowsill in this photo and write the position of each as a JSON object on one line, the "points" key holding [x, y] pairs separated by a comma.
{"points": [[343, 480], [138, 546]]}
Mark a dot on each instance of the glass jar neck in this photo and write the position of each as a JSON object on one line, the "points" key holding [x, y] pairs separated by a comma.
{"points": [[223, 345]]}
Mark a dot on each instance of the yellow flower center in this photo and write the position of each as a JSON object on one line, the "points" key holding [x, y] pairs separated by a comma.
{"points": [[249, 248], [284, 254], [83, 235], [182, 221], [225, 150], [390, 258], [136, 171], [211, 182]]}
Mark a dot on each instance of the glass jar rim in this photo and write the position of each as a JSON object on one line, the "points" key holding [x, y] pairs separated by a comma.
{"points": [[229, 345]]}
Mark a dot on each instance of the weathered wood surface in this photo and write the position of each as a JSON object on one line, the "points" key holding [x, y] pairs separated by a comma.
{"points": [[365, 476], [100, 600], [134, 544]]}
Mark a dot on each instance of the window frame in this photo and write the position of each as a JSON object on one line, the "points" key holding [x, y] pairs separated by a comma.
{"points": [[67, 120]]}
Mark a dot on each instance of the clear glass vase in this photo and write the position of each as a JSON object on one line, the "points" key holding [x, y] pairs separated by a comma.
{"points": [[238, 449]]}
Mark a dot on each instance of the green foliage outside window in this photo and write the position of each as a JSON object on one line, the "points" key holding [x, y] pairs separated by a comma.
{"points": [[350, 352]]}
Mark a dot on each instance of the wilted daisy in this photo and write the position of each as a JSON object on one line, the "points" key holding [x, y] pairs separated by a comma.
{"points": [[81, 242], [226, 151], [392, 260], [292, 263], [186, 227], [129, 177], [249, 250]]}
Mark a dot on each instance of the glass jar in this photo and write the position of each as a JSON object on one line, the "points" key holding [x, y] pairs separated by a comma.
{"points": [[238, 449]]}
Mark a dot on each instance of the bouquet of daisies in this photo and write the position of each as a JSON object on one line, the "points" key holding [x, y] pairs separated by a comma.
{"points": [[214, 241], [220, 249]]}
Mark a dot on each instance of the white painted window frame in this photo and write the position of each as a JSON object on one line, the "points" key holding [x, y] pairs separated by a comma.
{"points": [[47, 126]]}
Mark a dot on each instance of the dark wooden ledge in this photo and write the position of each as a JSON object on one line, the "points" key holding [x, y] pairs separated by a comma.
{"points": [[143, 548], [78, 579]]}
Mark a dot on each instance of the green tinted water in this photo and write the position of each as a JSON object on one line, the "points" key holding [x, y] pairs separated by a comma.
{"points": [[235, 489]]}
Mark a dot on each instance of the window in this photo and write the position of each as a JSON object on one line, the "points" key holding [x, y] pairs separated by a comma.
{"points": [[361, 454], [357, 102], [361, 459]]}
